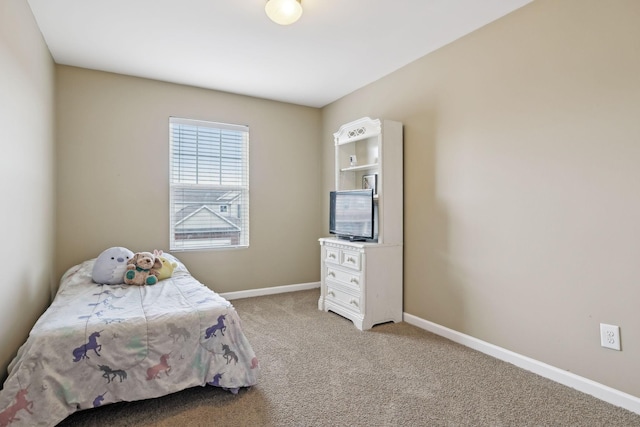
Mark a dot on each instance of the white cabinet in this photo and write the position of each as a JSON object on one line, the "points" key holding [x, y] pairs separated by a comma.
{"points": [[363, 281], [377, 147]]}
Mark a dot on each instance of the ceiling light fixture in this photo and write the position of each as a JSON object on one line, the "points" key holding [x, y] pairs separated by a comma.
{"points": [[283, 12]]}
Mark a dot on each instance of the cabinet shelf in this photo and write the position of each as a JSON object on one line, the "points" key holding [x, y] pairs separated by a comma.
{"points": [[360, 167]]}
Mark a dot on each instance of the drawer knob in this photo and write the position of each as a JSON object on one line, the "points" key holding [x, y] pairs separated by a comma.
{"points": [[354, 302], [331, 273], [332, 255], [354, 280], [331, 293], [351, 260]]}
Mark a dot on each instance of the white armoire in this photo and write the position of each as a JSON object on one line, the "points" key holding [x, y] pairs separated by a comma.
{"points": [[362, 281]]}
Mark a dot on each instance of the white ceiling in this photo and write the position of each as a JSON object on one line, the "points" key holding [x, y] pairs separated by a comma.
{"points": [[336, 47]]}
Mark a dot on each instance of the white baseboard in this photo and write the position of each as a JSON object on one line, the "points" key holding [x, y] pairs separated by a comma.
{"points": [[601, 391], [270, 291]]}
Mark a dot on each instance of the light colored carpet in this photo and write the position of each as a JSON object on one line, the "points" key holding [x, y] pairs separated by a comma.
{"points": [[317, 369]]}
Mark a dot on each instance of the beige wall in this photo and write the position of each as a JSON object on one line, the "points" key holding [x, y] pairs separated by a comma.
{"points": [[26, 175], [113, 158], [522, 180]]}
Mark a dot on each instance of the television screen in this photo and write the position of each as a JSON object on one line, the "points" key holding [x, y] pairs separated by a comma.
{"points": [[351, 214]]}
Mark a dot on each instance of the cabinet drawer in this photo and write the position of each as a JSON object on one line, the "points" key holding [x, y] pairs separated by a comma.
{"points": [[345, 299], [332, 255], [345, 258], [347, 278], [350, 259]]}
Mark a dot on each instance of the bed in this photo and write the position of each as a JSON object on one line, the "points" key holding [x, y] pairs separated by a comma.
{"points": [[99, 344]]}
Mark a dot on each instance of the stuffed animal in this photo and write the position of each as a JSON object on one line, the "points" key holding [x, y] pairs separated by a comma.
{"points": [[167, 266], [142, 269], [110, 266]]}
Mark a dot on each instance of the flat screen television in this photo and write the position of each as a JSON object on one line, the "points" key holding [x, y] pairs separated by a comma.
{"points": [[351, 214]]}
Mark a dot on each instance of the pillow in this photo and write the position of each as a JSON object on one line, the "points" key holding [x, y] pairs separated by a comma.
{"points": [[110, 266]]}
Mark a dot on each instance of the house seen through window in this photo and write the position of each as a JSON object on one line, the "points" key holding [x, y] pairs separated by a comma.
{"points": [[209, 185]]}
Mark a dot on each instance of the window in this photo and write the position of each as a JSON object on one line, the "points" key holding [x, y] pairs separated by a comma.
{"points": [[209, 185]]}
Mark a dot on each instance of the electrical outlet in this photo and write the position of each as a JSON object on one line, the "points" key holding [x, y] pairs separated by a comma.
{"points": [[610, 336]]}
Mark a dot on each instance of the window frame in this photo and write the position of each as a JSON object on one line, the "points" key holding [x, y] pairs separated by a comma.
{"points": [[233, 166]]}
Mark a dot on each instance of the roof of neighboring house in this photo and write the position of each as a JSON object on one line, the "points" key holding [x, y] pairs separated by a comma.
{"points": [[201, 218]]}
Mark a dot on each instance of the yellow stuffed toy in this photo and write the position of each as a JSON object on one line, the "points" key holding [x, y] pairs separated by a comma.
{"points": [[167, 268]]}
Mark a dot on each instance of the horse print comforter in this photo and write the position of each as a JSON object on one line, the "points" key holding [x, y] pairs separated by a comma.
{"points": [[99, 344]]}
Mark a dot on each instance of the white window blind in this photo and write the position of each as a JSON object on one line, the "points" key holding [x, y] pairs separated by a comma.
{"points": [[209, 185]]}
